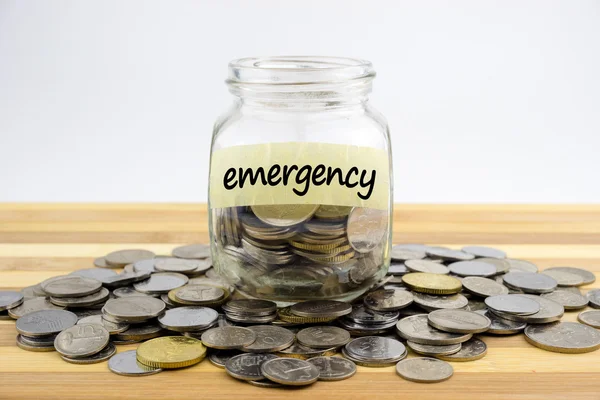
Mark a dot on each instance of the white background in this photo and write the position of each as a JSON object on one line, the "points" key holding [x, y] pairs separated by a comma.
{"points": [[488, 101]]}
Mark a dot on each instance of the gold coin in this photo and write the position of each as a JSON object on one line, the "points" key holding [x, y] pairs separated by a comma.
{"points": [[424, 282], [332, 212], [284, 215], [321, 248], [171, 352], [286, 315]]}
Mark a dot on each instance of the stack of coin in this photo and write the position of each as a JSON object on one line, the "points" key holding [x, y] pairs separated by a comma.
{"points": [[39, 329], [251, 311], [8, 300], [84, 344], [198, 295], [366, 322], [375, 351]]}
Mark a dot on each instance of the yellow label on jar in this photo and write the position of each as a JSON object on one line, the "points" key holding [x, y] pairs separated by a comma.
{"points": [[300, 173]]}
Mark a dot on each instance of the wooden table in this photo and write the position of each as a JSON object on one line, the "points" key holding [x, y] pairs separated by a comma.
{"points": [[42, 240]]}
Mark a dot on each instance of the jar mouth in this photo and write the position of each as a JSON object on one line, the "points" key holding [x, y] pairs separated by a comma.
{"points": [[298, 70]]}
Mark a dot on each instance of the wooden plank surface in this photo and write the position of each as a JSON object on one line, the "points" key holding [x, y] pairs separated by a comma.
{"points": [[42, 240]]}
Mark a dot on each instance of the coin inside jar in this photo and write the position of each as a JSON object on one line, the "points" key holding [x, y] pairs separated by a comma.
{"points": [[366, 228]]}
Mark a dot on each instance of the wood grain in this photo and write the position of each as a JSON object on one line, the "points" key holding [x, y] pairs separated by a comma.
{"points": [[42, 240]]}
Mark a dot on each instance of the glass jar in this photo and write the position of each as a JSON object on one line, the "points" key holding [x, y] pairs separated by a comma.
{"points": [[300, 195]]}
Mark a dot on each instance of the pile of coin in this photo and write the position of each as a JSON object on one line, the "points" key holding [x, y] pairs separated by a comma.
{"points": [[435, 303], [300, 251]]}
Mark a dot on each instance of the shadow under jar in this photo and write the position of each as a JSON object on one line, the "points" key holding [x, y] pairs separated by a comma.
{"points": [[300, 193]]}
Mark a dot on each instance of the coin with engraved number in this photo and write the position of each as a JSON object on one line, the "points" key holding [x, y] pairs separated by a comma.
{"points": [[290, 371], [82, 340], [564, 278], [471, 350], [458, 321], [126, 364], [591, 318], [430, 350], [71, 286], [111, 327], [530, 282], [98, 274], [123, 257], [333, 368], [472, 268], [482, 251], [269, 338], [388, 299], [587, 276], [432, 302], [133, 309], [169, 352], [31, 305], [228, 337], [424, 370], [550, 311], [512, 304], [161, 282], [321, 308], [45, 322], [323, 337], [569, 300], [186, 319], [9, 299], [501, 326], [366, 228], [429, 266], [564, 337], [483, 287], [247, 366], [83, 301], [423, 282], [104, 354], [593, 297], [416, 328]]}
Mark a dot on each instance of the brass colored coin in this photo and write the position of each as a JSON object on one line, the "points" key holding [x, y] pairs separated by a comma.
{"points": [[284, 215], [332, 212], [171, 352], [424, 282]]}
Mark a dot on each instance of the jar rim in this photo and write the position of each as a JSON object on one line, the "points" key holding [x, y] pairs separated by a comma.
{"points": [[298, 70]]}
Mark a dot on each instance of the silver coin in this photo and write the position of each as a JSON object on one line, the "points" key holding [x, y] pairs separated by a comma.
{"points": [[181, 265], [127, 292], [366, 228], [475, 304], [361, 329], [192, 251], [482, 251], [363, 315], [247, 366], [424, 370], [220, 357], [588, 277], [564, 337], [483, 286], [100, 262], [321, 308], [593, 297], [426, 266], [128, 269], [265, 383], [397, 268], [472, 268], [249, 319], [430, 350], [323, 337], [94, 273], [45, 322], [71, 286], [251, 306], [521, 265], [512, 304], [82, 340], [333, 368], [564, 278], [376, 349], [501, 326], [550, 311], [416, 328], [569, 300], [591, 318], [139, 332], [42, 341], [123, 257], [502, 265], [86, 312], [31, 305], [186, 319], [161, 282], [83, 301], [448, 254], [290, 371], [470, 350], [124, 279], [33, 291], [269, 338], [111, 327], [126, 363], [21, 343], [388, 299], [399, 254], [458, 321], [228, 337], [199, 294], [530, 282], [106, 353], [436, 302], [10, 299], [144, 265], [133, 309]]}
